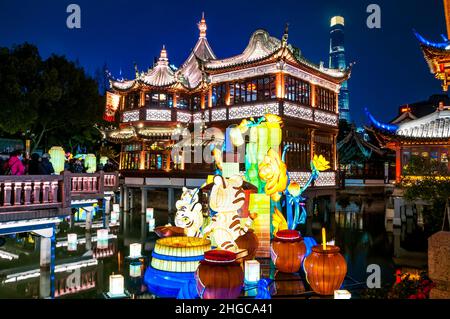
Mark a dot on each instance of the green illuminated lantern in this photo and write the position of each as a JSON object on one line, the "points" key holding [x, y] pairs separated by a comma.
{"points": [[90, 163], [103, 160], [57, 158]]}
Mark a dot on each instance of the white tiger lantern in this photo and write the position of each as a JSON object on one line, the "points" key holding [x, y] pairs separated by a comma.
{"points": [[189, 214], [226, 198]]}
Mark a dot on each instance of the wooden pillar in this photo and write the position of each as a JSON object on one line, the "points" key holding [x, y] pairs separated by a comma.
{"points": [[336, 95], [142, 98], [313, 95], [311, 144], [175, 100], [144, 200], [335, 153], [202, 100], [398, 163], [210, 97], [280, 85], [447, 16]]}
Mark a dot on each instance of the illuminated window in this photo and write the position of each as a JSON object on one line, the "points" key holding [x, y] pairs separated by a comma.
{"points": [[297, 90], [158, 99], [132, 100], [325, 99]]}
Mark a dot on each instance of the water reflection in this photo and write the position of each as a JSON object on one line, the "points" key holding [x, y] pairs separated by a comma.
{"points": [[84, 273]]}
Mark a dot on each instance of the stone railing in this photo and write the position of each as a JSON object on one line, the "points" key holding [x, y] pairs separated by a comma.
{"points": [[40, 196]]}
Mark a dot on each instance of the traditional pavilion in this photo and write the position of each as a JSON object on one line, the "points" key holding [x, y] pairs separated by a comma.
{"points": [[269, 76], [437, 54], [427, 136]]}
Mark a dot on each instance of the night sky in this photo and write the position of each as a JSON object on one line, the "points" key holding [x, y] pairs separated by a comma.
{"points": [[390, 68]]}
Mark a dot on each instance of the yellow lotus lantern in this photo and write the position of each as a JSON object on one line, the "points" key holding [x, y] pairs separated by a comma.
{"points": [[57, 158], [320, 163], [273, 171]]}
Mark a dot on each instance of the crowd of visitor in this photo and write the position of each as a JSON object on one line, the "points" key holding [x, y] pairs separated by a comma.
{"points": [[18, 164]]}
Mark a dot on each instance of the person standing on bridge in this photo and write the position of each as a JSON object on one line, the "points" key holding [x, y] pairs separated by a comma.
{"points": [[14, 166]]}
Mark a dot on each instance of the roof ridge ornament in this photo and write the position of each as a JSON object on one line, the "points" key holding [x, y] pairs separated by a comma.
{"points": [[202, 26], [284, 40]]}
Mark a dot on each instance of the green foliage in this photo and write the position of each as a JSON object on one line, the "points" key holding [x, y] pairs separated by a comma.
{"points": [[431, 189], [50, 100], [425, 166]]}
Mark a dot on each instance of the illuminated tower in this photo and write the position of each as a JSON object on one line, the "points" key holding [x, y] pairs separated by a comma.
{"points": [[337, 61]]}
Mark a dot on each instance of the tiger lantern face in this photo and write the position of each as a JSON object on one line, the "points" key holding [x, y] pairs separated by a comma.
{"points": [[189, 213], [227, 195]]}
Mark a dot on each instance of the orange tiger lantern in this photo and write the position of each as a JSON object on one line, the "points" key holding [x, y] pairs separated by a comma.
{"points": [[325, 269], [219, 276], [287, 250]]}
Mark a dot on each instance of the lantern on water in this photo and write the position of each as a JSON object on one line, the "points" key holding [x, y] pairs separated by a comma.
{"points": [[252, 271], [288, 250], [151, 224], [149, 214], [57, 158], [219, 276], [135, 269], [90, 163], [116, 285], [116, 208], [72, 242], [135, 250], [342, 294], [102, 238]]}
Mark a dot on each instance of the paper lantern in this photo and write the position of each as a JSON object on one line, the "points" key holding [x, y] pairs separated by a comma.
{"points": [[219, 276], [116, 208], [149, 214], [57, 158], [102, 238], [103, 160], [151, 224], [325, 269], [135, 250], [288, 251], [252, 271], [342, 294], [135, 269], [114, 217], [72, 242], [116, 285], [90, 163]]}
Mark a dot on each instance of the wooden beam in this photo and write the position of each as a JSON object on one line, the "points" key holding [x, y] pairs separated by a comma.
{"points": [[447, 16]]}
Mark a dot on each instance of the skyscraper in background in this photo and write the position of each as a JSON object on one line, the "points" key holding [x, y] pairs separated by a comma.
{"points": [[337, 61]]}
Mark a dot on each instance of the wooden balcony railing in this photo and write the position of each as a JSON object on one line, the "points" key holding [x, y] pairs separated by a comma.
{"points": [[39, 196]]}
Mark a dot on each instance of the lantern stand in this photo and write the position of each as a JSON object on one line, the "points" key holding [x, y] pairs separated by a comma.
{"points": [[116, 288]]}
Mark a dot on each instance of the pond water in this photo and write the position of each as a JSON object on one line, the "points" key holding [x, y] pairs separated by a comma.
{"points": [[84, 273]]}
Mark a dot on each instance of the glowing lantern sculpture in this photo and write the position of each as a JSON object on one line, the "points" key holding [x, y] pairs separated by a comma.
{"points": [[342, 294], [90, 163], [252, 271], [325, 268], [57, 158], [116, 285], [288, 251], [149, 214], [135, 250], [103, 160], [219, 276], [72, 242], [135, 269], [102, 238]]}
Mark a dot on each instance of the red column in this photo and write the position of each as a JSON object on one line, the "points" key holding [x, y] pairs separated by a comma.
{"points": [[398, 163]]}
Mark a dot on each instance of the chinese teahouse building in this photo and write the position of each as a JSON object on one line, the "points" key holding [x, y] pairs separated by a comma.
{"points": [[427, 136], [269, 76]]}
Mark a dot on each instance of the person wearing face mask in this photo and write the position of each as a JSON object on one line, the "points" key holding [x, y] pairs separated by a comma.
{"points": [[15, 165]]}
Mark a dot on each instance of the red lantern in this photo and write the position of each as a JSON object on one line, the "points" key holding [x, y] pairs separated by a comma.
{"points": [[219, 276], [325, 269], [288, 250]]}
